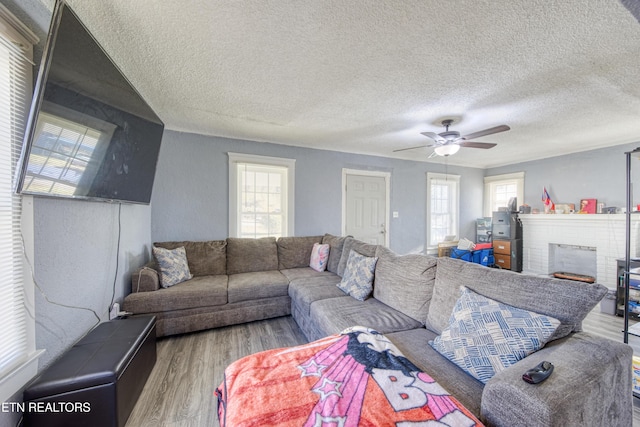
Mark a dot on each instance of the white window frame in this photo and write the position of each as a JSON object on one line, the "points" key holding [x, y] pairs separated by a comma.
{"points": [[491, 182], [234, 190], [454, 180], [25, 366]]}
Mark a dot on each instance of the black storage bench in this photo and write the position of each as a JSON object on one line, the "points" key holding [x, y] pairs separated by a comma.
{"points": [[98, 381]]}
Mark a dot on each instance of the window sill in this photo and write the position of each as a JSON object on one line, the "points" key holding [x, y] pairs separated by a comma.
{"points": [[19, 377]]}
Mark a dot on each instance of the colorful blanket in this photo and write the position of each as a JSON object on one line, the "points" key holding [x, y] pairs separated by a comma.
{"points": [[357, 378]]}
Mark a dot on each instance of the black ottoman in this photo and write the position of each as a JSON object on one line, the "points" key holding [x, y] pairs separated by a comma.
{"points": [[97, 381]]}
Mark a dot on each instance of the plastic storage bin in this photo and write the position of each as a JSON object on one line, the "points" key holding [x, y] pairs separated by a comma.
{"points": [[462, 254], [608, 303]]}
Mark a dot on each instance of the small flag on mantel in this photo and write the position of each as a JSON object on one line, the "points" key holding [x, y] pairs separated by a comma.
{"points": [[548, 203]]}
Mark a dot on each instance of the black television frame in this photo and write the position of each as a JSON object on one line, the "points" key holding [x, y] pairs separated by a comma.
{"points": [[36, 108]]}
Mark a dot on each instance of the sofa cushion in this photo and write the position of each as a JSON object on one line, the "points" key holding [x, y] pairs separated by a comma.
{"points": [[246, 255], [335, 251], [566, 300], [294, 252], [204, 258], [173, 266], [202, 291], [414, 344], [336, 314], [256, 285], [361, 247], [485, 337], [308, 273], [405, 282], [306, 291], [357, 280]]}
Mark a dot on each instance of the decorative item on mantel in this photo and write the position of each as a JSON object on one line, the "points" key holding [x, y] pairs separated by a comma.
{"points": [[549, 206], [565, 208], [588, 206]]}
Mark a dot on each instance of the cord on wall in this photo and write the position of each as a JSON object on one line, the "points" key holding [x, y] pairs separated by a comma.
{"points": [[44, 295], [115, 276], [50, 301]]}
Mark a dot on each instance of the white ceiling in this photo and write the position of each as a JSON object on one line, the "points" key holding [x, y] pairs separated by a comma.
{"points": [[367, 76]]}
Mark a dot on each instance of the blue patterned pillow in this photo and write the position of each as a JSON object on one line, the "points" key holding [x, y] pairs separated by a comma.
{"points": [[173, 265], [357, 280], [485, 336]]}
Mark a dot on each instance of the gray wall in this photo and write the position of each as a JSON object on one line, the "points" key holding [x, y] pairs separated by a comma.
{"points": [[597, 174], [78, 247], [191, 191]]}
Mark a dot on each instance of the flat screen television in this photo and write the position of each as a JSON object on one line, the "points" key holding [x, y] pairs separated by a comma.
{"points": [[89, 135]]}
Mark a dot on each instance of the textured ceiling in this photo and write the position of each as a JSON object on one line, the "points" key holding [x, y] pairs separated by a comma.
{"points": [[368, 76]]}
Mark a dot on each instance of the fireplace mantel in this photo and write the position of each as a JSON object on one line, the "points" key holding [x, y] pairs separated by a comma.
{"points": [[605, 232], [578, 217]]}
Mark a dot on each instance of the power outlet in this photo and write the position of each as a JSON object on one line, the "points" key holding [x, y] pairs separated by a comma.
{"points": [[115, 309]]}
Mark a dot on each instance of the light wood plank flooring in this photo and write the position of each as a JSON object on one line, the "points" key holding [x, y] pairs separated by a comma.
{"points": [[179, 392], [189, 367]]}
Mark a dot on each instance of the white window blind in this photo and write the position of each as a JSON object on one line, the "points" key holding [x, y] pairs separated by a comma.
{"points": [[15, 97], [260, 196], [442, 207]]}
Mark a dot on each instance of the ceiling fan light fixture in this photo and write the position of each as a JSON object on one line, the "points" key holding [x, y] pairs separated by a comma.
{"points": [[447, 150]]}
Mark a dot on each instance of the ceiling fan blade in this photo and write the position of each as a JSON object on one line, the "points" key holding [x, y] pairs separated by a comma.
{"points": [[411, 148], [434, 154], [433, 136], [490, 131], [471, 144]]}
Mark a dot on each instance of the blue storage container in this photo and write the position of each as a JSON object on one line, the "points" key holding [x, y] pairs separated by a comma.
{"points": [[462, 254], [482, 256], [485, 257]]}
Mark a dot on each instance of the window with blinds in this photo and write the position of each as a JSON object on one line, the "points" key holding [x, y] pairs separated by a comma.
{"points": [[442, 207], [261, 196], [15, 96]]}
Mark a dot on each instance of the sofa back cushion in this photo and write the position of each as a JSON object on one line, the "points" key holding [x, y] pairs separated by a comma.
{"points": [[566, 300], [204, 258], [359, 246], [295, 252], [336, 244], [246, 255], [405, 282]]}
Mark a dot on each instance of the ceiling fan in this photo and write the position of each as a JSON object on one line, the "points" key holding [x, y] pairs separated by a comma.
{"points": [[449, 142]]}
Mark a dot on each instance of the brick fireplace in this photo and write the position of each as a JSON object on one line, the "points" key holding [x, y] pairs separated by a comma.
{"points": [[602, 235]]}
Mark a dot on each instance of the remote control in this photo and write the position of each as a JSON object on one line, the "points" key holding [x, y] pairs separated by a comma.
{"points": [[538, 374]]}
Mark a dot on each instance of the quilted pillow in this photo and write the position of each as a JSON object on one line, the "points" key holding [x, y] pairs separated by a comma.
{"points": [[485, 336], [173, 265], [357, 280], [319, 257]]}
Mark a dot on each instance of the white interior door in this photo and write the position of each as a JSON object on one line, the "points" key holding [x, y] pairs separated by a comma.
{"points": [[365, 208]]}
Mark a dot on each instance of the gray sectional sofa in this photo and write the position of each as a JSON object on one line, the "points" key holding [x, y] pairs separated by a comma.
{"points": [[241, 280]]}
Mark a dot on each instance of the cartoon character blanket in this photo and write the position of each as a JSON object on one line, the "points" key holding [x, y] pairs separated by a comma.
{"points": [[357, 378]]}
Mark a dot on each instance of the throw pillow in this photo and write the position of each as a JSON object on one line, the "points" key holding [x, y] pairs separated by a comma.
{"points": [[358, 276], [173, 265], [485, 336], [319, 257]]}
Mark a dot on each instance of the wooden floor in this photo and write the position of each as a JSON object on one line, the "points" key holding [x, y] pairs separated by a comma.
{"points": [[189, 367], [180, 389]]}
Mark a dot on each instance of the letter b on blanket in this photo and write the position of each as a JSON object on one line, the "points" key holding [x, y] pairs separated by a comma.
{"points": [[406, 392]]}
